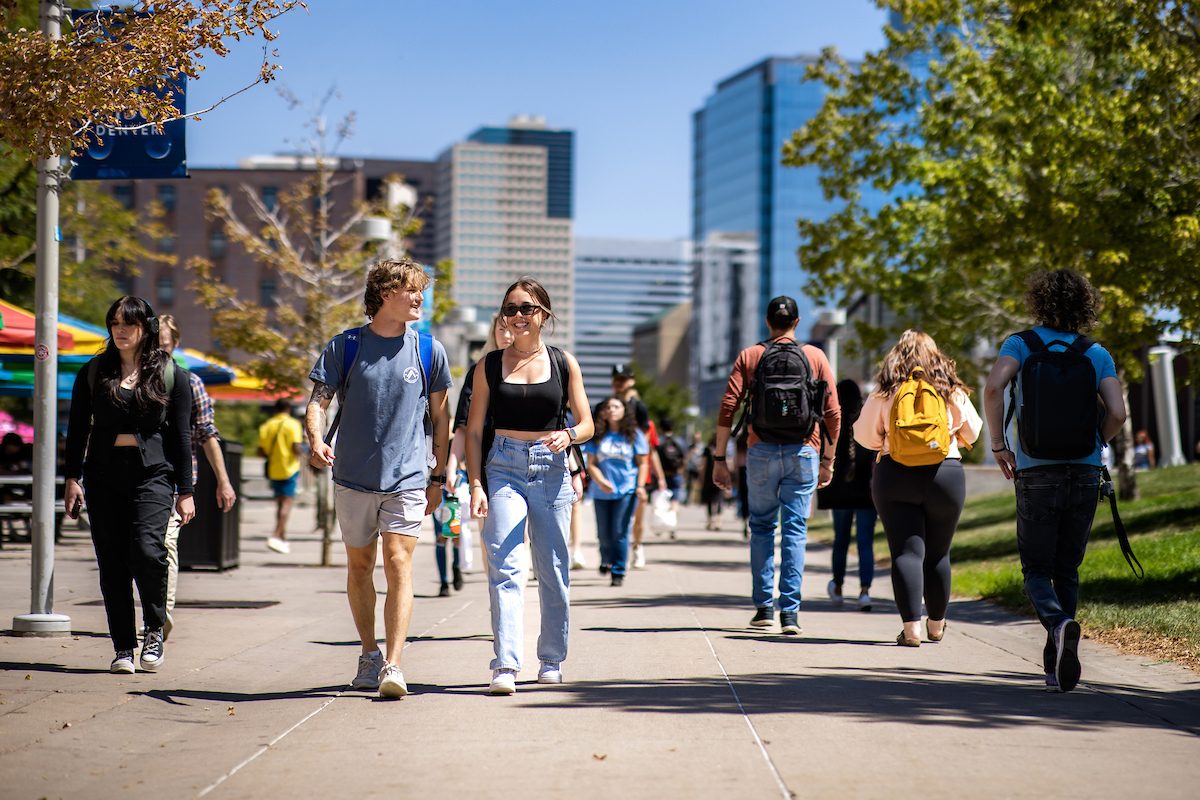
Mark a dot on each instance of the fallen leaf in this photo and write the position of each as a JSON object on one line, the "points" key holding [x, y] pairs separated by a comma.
{"points": [[66, 725], [231, 711], [599, 756], [28, 677]]}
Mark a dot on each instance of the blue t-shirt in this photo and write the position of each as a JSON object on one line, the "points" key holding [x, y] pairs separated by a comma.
{"points": [[380, 444], [615, 457], [1014, 347]]}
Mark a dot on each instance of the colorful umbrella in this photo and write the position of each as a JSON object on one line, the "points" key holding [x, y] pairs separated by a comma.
{"points": [[19, 329]]}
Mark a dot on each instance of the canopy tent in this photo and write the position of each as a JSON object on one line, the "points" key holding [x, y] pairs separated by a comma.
{"points": [[18, 328]]}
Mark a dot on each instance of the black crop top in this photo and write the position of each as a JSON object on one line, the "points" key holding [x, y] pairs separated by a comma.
{"points": [[164, 436], [524, 406]]}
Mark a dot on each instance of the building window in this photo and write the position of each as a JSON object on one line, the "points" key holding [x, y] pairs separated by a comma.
{"points": [[166, 243], [217, 243], [166, 196], [266, 293], [270, 197], [123, 194], [124, 281], [165, 291]]}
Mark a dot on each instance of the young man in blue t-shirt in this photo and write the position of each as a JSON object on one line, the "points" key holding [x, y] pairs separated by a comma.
{"points": [[381, 459], [1056, 499]]}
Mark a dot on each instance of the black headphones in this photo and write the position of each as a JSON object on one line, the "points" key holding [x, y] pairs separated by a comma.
{"points": [[151, 319]]}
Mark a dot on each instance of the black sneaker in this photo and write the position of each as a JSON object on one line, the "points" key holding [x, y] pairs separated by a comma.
{"points": [[122, 663], [444, 590], [152, 651], [763, 618], [604, 569], [788, 623], [618, 580], [456, 582], [1066, 659]]}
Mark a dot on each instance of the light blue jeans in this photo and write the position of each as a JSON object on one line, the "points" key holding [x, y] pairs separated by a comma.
{"points": [[781, 479], [527, 484]]}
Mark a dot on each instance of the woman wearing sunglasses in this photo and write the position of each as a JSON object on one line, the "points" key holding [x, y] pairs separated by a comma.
{"points": [[524, 391]]}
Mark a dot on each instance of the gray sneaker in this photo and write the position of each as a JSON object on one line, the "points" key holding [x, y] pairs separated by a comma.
{"points": [[369, 666], [122, 663]]}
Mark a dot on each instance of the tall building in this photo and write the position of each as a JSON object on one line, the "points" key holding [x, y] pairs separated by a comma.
{"points": [[504, 210], [725, 311], [740, 187], [620, 283]]}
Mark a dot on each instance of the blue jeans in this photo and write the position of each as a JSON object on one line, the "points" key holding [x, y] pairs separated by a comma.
{"points": [[614, 515], [1055, 508], [527, 484], [781, 479], [843, 520]]}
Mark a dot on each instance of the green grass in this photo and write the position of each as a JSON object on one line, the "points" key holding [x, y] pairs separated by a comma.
{"points": [[1159, 615]]}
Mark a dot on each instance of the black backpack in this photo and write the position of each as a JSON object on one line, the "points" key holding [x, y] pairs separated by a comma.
{"points": [[786, 403], [671, 454], [1059, 416]]}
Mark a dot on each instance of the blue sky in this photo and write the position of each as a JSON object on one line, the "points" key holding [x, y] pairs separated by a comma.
{"points": [[625, 76]]}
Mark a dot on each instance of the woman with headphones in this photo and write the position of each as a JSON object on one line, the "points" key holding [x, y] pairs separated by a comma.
{"points": [[129, 440]]}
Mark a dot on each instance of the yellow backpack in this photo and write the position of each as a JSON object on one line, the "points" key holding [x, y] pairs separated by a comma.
{"points": [[919, 433]]}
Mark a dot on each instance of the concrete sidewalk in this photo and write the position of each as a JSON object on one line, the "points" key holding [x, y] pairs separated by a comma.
{"points": [[668, 694]]}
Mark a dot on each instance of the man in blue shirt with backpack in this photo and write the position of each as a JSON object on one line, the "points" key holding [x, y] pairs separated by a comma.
{"points": [[1068, 404]]}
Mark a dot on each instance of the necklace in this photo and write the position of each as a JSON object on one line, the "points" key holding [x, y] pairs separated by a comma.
{"points": [[526, 353]]}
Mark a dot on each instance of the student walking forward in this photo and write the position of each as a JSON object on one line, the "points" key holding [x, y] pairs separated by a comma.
{"points": [[791, 414], [919, 503], [394, 426], [617, 462], [521, 395], [1056, 461], [131, 413]]}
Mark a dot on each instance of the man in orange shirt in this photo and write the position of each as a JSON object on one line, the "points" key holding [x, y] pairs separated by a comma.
{"points": [[794, 420]]}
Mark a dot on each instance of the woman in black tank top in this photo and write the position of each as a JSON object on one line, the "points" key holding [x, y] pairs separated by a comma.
{"points": [[522, 394]]}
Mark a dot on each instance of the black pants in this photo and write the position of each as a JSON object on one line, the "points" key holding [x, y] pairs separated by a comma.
{"points": [[1055, 508], [919, 507], [129, 506]]}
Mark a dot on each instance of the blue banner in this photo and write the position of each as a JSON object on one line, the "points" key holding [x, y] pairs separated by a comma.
{"points": [[114, 154]]}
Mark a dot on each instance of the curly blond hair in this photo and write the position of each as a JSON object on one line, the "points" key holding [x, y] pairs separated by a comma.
{"points": [[917, 349], [390, 276]]}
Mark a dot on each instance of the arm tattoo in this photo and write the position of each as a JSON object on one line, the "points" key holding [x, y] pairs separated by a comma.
{"points": [[322, 392]]}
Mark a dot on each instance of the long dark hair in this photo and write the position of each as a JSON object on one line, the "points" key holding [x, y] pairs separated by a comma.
{"points": [[151, 390], [627, 427]]}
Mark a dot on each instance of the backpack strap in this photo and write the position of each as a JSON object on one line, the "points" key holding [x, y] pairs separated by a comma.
{"points": [[748, 390], [350, 337], [425, 356], [1106, 490], [1035, 344], [1081, 344], [564, 376]]}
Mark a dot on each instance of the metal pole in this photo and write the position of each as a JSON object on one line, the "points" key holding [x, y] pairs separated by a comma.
{"points": [[42, 621]]}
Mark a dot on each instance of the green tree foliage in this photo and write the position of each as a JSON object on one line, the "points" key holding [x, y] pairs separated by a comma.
{"points": [[1012, 136], [663, 400], [1044, 135]]}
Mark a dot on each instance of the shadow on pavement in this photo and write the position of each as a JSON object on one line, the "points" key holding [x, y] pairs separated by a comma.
{"points": [[19, 666], [906, 695], [176, 697]]}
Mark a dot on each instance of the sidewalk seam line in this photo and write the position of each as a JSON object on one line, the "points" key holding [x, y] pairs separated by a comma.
{"points": [[313, 713]]}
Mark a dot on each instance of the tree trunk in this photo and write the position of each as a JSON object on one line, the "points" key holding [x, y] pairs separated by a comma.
{"points": [[1122, 445]]}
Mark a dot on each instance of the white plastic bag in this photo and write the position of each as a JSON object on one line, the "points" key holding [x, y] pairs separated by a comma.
{"points": [[663, 517]]}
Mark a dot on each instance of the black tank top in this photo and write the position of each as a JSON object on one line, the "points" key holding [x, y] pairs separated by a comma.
{"points": [[524, 406]]}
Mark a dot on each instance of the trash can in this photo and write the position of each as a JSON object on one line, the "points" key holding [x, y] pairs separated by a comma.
{"points": [[211, 540]]}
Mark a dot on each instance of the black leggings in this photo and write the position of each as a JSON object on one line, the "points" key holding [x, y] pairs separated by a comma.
{"points": [[919, 507], [128, 507]]}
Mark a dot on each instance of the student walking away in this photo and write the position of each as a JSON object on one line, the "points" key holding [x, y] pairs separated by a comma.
{"points": [[393, 427], [694, 469], [1055, 374], [617, 463], [128, 439], [206, 437], [918, 418], [672, 455], [280, 441], [793, 422], [521, 395], [711, 495], [848, 496]]}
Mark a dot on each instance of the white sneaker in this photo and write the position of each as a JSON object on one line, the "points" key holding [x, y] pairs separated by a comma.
{"points": [[864, 601], [391, 682], [549, 673], [122, 663], [577, 561], [279, 545], [835, 594], [369, 667], [639, 557], [504, 681]]}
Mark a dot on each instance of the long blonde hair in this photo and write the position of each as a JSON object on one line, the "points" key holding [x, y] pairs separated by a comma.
{"points": [[917, 349]]}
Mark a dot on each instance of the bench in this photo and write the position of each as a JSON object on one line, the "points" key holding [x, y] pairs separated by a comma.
{"points": [[15, 510]]}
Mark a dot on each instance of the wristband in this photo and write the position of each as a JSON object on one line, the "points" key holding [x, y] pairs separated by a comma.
{"points": [[438, 479], [571, 433], [1001, 450]]}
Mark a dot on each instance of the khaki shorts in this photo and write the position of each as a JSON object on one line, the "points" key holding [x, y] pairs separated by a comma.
{"points": [[364, 515]]}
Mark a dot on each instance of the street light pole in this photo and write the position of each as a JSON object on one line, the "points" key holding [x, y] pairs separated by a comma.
{"points": [[42, 621]]}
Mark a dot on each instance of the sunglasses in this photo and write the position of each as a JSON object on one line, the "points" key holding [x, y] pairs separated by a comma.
{"points": [[525, 310]]}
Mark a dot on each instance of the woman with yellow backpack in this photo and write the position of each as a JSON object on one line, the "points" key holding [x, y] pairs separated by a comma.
{"points": [[918, 417]]}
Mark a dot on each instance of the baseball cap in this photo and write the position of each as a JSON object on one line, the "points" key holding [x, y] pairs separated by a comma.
{"points": [[782, 307], [622, 370]]}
